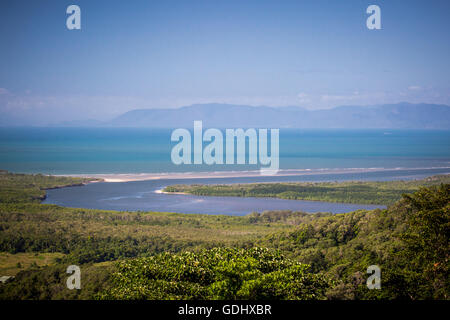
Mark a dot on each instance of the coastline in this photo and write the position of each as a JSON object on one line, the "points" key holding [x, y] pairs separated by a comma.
{"points": [[127, 177], [151, 196]]}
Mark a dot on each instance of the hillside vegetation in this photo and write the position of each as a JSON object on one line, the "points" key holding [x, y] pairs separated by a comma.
{"points": [[85, 235], [218, 273], [274, 254], [16, 188]]}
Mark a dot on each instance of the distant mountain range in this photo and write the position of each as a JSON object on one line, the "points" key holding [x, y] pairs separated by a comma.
{"points": [[400, 116]]}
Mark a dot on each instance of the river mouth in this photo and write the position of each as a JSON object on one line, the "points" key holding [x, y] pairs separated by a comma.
{"points": [[124, 197], [147, 196]]}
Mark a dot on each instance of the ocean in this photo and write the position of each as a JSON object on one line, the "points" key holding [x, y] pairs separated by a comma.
{"points": [[318, 155], [138, 150]]}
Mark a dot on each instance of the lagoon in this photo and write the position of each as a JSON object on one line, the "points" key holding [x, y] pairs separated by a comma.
{"points": [[143, 195]]}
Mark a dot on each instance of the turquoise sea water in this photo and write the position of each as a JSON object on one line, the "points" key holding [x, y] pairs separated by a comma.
{"points": [[402, 155], [126, 150]]}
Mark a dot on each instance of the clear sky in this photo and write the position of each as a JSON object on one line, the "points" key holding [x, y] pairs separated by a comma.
{"points": [[165, 54]]}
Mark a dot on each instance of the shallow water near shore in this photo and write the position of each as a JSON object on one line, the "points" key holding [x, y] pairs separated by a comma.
{"points": [[127, 150]]}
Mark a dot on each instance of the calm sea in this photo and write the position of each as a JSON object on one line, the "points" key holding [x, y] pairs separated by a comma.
{"points": [[406, 155], [126, 150]]}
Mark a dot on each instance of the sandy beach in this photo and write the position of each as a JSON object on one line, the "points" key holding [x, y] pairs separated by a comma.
{"points": [[125, 177]]}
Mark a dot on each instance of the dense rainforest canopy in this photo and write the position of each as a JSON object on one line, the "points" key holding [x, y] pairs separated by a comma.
{"points": [[276, 254]]}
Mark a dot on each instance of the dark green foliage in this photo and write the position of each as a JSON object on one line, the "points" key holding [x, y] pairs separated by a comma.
{"points": [[421, 269], [254, 273], [284, 216], [409, 241], [50, 283], [342, 246], [350, 192]]}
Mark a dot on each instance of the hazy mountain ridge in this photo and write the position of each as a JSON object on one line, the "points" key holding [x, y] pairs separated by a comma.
{"points": [[401, 116], [388, 116]]}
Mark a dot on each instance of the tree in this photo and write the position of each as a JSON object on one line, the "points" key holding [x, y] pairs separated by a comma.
{"points": [[219, 273], [420, 271]]}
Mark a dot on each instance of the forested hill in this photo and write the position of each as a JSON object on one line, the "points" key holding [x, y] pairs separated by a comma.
{"points": [[150, 255]]}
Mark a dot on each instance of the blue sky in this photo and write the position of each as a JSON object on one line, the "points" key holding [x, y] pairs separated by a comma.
{"points": [[164, 54]]}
